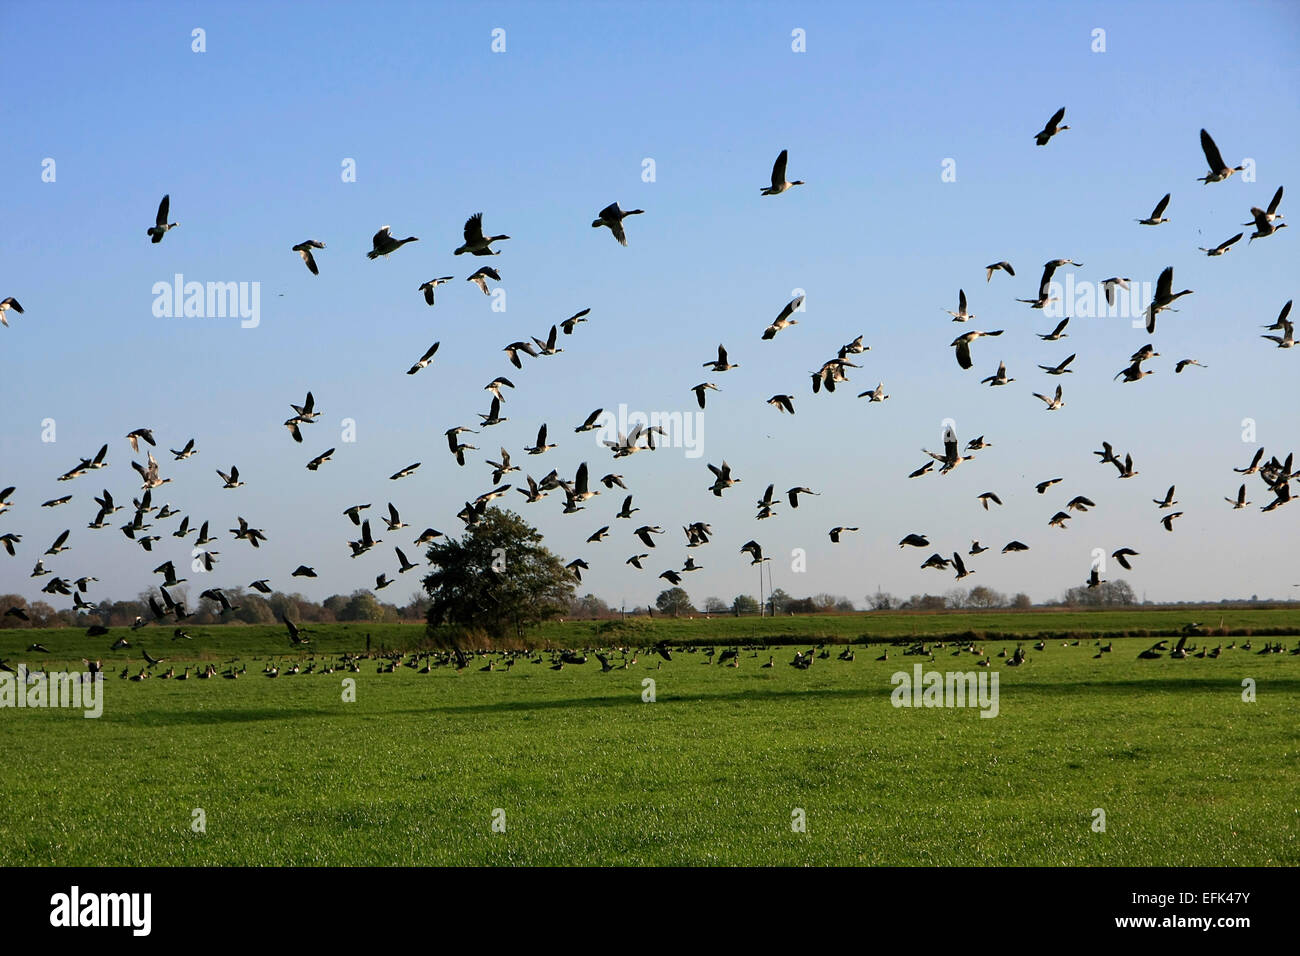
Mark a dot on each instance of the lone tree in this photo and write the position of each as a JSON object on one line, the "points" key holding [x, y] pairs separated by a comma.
{"points": [[674, 601], [498, 577]]}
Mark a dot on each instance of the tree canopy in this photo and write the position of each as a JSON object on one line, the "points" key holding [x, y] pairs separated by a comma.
{"points": [[498, 577]]}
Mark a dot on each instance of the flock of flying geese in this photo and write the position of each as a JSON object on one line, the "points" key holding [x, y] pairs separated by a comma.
{"points": [[579, 491]]}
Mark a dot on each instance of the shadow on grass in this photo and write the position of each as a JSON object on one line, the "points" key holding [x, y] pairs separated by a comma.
{"points": [[163, 718]]}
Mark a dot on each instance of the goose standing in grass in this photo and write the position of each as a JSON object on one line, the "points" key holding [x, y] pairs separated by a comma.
{"points": [[612, 218], [779, 183], [428, 287], [961, 315], [783, 320], [1052, 128], [962, 344], [7, 304], [1219, 170], [1164, 297], [161, 226], [304, 249], [477, 244], [383, 243], [1052, 403], [425, 359], [994, 267], [1222, 247], [1157, 214]]}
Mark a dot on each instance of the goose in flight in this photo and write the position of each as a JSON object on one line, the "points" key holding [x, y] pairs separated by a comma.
{"points": [[186, 452], [1052, 128], [427, 535], [1134, 372], [755, 552], [246, 533], [231, 480], [541, 446], [1183, 363], [55, 502], [577, 566], [599, 535], [1264, 226], [612, 217], [319, 460], [383, 243], [1167, 501], [1122, 556], [477, 244], [502, 467], [961, 315], [1287, 339], [1004, 266], [1095, 579], [782, 403], [58, 545], [535, 492], [428, 287], [161, 225], [1000, 378], [1168, 520], [354, 513], [381, 581], [915, 540], [779, 183], [494, 386], [1164, 297], [1011, 546], [1125, 469], [1271, 212], [854, 348], [1052, 403], [988, 496], [936, 561], [950, 458], [480, 278], [610, 480], [960, 566], [1240, 501], [394, 520], [134, 437], [1222, 247], [493, 417], [794, 493], [1219, 170], [568, 324], [1057, 333], [1280, 322], [976, 548], [722, 479], [1080, 503], [1042, 486], [783, 320], [876, 394], [765, 503], [1157, 214], [1108, 286], [514, 348], [408, 470], [425, 359], [644, 533], [580, 490], [923, 470], [1058, 520], [9, 540], [7, 304], [837, 531], [962, 344], [304, 249], [589, 424], [672, 577], [636, 560], [1253, 467], [1059, 369], [547, 347], [700, 389], [720, 364]]}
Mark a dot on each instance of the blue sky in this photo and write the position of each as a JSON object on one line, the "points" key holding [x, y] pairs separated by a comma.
{"points": [[249, 138]]}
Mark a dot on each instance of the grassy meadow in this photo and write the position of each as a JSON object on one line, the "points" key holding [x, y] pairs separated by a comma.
{"points": [[574, 767]]}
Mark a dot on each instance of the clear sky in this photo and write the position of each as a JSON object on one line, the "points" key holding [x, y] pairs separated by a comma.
{"points": [[250, 138]]}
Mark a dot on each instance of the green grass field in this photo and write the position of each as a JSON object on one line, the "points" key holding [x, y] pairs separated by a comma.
{"points": [[711, 772]]}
